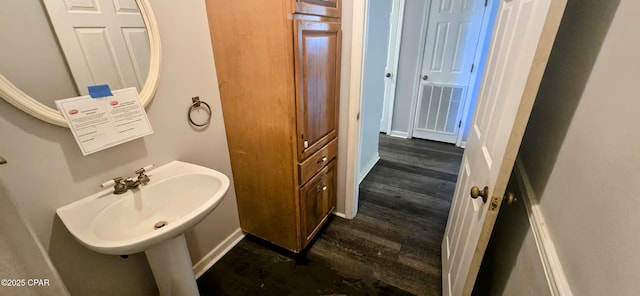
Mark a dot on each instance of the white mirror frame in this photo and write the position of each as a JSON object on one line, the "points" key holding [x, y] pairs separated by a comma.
{"points": [[16, 97]]}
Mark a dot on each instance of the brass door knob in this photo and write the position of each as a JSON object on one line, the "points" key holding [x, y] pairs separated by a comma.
{"points": [[475, 192], [510, 198]]}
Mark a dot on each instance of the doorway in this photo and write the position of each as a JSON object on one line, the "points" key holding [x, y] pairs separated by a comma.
{"points": [[531, 28], [450, 45], [434, 56], [413, 84]]}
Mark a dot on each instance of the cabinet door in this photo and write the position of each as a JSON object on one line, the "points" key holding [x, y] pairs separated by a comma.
{"points": [[317, 67], [329, 8], [317, 201]]}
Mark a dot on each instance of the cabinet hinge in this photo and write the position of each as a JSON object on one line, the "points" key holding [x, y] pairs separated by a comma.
{"points": [[472, 66], [486, 2], [459, 123]]}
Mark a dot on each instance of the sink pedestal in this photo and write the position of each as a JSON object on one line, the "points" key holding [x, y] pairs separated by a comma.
{"points": [[171, 266]]}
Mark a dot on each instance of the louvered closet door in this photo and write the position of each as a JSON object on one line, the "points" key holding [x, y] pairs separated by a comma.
{"points": [[452, 37]]}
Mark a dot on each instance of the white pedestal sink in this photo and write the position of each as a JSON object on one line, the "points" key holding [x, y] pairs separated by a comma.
{"points": [[152, 219]]}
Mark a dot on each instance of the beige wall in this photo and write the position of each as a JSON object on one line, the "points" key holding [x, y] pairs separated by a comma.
{"points": [[581, 147], [46, 169]]}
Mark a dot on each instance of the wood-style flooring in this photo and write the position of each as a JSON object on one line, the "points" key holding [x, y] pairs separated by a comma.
{"points": [[392, 247]]}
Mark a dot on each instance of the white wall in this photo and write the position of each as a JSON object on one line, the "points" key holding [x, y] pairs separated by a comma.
{"points": [[375, 60], [580, 148], [409, 64], [46, 169], [31, 58]]}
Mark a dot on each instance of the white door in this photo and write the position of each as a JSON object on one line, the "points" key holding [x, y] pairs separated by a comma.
{"points": [[452, 37], [391, 69], [104, 41], [523, 36]]}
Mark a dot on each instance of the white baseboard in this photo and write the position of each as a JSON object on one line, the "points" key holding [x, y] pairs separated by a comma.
{"points": [[558, 285], [341, 215], [367, 168], [212, 257], [399, 134]]}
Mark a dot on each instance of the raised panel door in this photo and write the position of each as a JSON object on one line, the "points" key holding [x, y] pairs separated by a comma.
{"points": [[317, 67], [522, 40], [317, 201], [103, 41], [452, 37]]}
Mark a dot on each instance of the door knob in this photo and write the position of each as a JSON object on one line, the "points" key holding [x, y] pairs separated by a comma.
{"points": [[388, 75], [510, 198], [425, 77], [475, 192]]}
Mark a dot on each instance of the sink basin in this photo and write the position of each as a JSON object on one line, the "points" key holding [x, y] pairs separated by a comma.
{"points": [[179, 196], [152, 218]]}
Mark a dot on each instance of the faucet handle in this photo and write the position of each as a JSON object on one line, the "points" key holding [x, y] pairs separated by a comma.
{"points": [[119, 187], [141, 171], [142, 177], [111, 182]]}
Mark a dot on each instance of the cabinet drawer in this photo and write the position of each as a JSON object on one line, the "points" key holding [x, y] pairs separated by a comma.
{"points": [[317, 201], [317, 161], [330, 8]]}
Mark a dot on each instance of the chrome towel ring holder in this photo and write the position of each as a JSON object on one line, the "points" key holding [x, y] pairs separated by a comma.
{"points": [[196, 103]]}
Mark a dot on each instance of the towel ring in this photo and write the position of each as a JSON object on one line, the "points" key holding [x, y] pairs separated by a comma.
{"points": [[198, 104]]}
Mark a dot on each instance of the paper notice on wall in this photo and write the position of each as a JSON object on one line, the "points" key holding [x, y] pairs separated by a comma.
{"points": [[98, 124]]}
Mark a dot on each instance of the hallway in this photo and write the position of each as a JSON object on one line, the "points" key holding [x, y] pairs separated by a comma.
{"points": [[392, 247]]}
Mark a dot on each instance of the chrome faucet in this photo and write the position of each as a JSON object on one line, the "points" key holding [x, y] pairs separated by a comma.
{"points": [[121, 185]]}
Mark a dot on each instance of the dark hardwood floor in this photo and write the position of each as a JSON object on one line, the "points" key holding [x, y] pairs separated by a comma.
{"points": [[392, 247]]}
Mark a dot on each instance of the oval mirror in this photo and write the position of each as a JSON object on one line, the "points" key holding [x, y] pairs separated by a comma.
{"points": [[54, 49]]}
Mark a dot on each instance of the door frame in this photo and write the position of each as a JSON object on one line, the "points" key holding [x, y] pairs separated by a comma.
{"points": [[358, 26], [355, 85], [393, 53]]}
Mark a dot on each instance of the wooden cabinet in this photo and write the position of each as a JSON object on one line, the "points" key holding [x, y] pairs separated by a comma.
{"points": [[278, 75], [317, 64], [317, 198], [330, 8]]}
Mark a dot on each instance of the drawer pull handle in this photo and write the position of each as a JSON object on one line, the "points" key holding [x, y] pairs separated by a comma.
{"points": [[324, 188], [323, 159]]}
